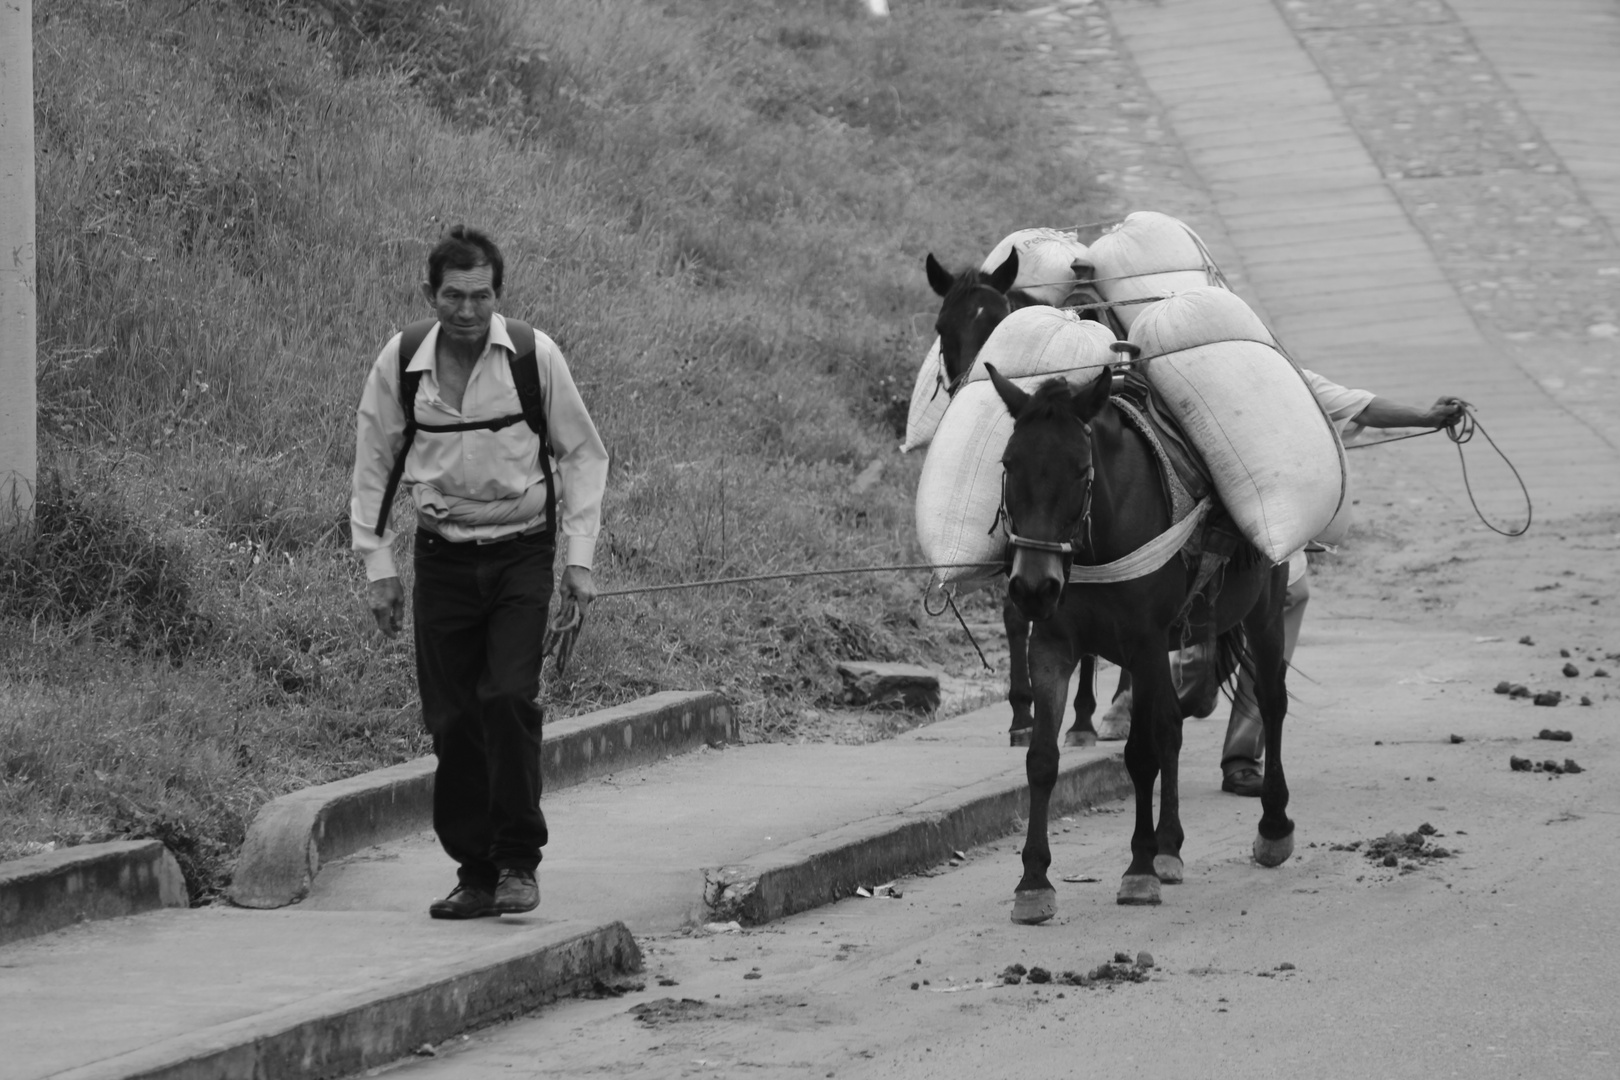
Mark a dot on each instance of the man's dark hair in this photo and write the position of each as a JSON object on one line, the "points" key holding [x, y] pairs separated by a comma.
{"points": [[465, 249]]}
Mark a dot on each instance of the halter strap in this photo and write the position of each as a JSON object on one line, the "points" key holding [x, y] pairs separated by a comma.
{"points": [[1081, 540]]}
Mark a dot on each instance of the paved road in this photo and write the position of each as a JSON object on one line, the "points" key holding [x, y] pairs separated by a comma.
{"points": [[1421, 196]]}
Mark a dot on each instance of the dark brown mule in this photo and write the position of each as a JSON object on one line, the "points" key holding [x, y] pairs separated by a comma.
{"points": [[974, 304], [1082, 486]]}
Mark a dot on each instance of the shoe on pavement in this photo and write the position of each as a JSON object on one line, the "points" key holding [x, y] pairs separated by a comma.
{"points": [[464, 902], [516, 892], [1242, 777]]}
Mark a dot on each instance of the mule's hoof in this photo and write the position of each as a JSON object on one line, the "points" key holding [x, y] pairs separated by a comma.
{"points": [[1138, 889], [1168, 869], [1273, 852], [1080, 738], [1034, 906], [1019, 736], [1113, 730]]}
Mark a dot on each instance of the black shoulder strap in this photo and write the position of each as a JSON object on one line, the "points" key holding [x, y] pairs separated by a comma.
{"points": [[410, 339], [526, 378]]}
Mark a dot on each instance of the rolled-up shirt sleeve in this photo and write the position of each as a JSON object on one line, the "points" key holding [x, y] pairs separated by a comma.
{"points": [[582, 460], [379, 437]]}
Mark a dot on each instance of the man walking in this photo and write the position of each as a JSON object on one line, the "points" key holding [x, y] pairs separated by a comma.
{"points": [[1351, 412], [467, 412]]}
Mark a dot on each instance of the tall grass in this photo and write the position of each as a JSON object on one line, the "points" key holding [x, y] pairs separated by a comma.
{"points": [[719, 210]]}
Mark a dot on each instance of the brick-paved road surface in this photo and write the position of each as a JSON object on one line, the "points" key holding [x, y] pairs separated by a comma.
{"points": [[1420, 195]]}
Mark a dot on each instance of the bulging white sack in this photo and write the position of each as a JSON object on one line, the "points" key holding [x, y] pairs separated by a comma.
{"points": [[1046, 260], [959, 491], [928, 401], [1030, 341], [1150, 254], [1276, 460]]}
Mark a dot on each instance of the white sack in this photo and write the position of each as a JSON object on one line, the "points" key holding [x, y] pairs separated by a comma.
{"points": [[1276, 460], [959, 491], [1045, 262], [1030, 341], [1150, 254], [928, 401]]}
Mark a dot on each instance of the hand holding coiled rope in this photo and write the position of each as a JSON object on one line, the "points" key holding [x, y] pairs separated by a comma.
{"points": [[1460, 429]]}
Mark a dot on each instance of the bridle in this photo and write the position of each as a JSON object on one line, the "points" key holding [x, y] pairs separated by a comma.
{"points": [[1080, 536]]}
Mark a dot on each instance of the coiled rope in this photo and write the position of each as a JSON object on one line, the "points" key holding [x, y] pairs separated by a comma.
{"points": [[1460, 431]]}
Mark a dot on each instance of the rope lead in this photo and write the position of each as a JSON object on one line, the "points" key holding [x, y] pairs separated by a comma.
{"points": [[1460, 431]]}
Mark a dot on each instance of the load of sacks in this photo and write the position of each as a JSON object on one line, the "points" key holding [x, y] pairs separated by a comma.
{"points": [[1276, 461]]}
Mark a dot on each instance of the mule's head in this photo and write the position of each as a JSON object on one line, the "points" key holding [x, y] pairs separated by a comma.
{"points": [[974, 304], [1048, 472]]}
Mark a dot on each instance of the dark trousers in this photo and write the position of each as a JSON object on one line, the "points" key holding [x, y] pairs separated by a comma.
{"points": [[480, 615]]}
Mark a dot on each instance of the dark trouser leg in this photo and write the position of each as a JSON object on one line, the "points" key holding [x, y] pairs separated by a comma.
{"points": [[507, 692], [479, 617], [1245, 734]]}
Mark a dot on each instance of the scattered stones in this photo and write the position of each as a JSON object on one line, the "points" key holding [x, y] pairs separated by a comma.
{"points": [[1285, 966], [1039, 975], [1555, 735], [1571, 671], [1518, 690], [1585, 700], [1549, 697], [1013, 974], [1456, 739], [1144, 959], [1551, 767], [1526, 640], [1503, 687], [1600, 673], [1564, 653]]}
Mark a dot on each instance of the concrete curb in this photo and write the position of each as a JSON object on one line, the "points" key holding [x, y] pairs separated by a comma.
{"points": [[46, 892], [829, 866], [293, 836], [343, 1032]]}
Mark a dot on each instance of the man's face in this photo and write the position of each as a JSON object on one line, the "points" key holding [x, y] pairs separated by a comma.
{"points": [[464, 303]]}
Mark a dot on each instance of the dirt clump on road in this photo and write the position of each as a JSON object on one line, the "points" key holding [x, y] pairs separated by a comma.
{"points": [[1393, 848], [671, 1010]]}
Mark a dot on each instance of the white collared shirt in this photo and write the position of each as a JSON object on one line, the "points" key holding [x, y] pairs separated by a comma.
{"points": [[484, 465]]}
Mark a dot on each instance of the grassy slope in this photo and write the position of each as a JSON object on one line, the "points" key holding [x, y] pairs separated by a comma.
{"points": [[717, 207]]}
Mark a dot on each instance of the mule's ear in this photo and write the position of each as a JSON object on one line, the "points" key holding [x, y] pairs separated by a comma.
{"points": [[1090, 401], [1014, 398], [1002, 277], [939, 278]]}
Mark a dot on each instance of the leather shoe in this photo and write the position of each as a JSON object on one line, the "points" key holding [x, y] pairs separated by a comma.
{"points": [[516, 892], [1242, 778], [464, 902]]}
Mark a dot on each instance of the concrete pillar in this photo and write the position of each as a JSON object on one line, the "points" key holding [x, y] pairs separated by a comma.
{"points": [[18, 452]]}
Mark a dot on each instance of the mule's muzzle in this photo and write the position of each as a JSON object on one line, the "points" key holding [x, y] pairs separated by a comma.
{"points": [[1035, 583]]}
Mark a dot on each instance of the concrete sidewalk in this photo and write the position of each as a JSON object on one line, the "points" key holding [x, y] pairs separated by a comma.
{"points": [[357, 973]]}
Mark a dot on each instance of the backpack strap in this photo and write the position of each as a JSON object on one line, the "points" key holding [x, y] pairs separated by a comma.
{"points": [[526, 378], [410, 339], [525, 367]]}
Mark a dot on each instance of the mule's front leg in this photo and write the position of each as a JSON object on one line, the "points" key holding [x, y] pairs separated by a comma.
{"points": [[1019, 694], [1150, 751], [1050, 665]]}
